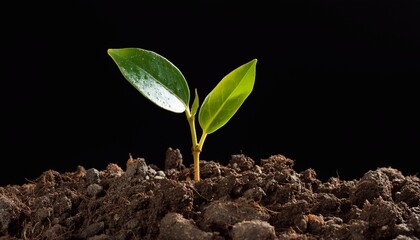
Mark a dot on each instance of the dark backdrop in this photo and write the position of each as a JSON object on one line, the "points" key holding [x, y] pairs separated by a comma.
{"points": [[336, 86]]}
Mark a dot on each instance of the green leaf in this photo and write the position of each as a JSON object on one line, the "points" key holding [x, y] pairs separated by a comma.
{"points": [[154, 77], [226, 98], [195, 104]]}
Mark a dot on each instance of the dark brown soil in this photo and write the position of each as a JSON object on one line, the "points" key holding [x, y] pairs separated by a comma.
{"points": [[241, 200]]}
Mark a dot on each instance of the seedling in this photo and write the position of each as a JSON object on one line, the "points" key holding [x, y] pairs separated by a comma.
{"points": [[162, 82]]}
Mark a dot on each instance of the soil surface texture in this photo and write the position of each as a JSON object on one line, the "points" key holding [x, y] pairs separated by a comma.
{"points": [[241, 200]]}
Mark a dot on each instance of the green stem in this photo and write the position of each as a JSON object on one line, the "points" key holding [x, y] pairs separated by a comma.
{"points": [[202, 139], [196, 149]]}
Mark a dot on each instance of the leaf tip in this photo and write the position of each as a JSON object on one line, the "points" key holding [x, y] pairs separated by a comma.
{"points": [[109, 51]]}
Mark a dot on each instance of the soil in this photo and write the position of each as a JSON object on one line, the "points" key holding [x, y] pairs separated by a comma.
{"points": [[241, 200]]}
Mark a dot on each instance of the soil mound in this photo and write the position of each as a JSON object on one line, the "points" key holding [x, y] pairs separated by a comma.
{"points": [[241, 200]]}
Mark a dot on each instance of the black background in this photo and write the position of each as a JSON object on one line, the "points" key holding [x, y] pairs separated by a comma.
{"points": [[336, 86]]}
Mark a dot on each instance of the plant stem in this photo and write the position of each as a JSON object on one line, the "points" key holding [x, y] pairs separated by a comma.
{"points": [[196, 155], [196, 147]]}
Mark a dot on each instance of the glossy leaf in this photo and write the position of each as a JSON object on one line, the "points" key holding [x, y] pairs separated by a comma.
{"points": [[226, 98], [153, 76]]}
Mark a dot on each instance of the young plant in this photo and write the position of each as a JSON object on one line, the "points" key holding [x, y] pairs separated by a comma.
{"points": [[163, 83]]}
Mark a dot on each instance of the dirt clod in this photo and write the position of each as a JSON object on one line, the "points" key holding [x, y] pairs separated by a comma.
{"points": [[253, 230]]}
